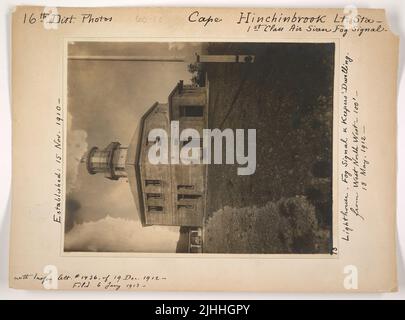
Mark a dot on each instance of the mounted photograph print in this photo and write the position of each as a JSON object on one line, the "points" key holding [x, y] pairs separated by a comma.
{"points": [[235, 156], [204, 149]]}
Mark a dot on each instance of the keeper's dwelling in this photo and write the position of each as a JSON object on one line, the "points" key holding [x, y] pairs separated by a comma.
{"points": [[164, 194]]}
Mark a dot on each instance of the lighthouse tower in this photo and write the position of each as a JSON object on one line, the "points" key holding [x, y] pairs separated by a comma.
{"points": [[110, 161], [163, 194]]}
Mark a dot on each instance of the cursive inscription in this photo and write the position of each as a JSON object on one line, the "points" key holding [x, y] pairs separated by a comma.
{"points": [[354, 162], [320, 23], [47, 18], [92, 281], [204, 20], [57, 146]]}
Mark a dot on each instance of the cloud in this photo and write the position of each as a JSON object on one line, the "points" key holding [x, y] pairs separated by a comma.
{"points": [[177, 46], [76, 148], [121, 235], [72, 208]]}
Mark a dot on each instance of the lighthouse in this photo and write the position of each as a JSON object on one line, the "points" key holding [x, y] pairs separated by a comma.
{"points": [[110, 161], [164, 194]]}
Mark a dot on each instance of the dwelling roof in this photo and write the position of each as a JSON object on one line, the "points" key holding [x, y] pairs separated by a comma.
{"points": [[132, 165], [177, 88]]}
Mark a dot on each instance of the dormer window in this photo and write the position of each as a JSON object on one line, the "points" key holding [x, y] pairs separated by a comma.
{"points": [[191, 111], [149, 143], [154, 196], [155, 208], [188, 196], [149, 182]]}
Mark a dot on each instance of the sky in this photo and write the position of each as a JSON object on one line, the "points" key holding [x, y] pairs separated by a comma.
{"points": [[105, 102]]}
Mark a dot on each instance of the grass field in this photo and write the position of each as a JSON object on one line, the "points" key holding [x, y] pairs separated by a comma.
{"points": [[287, 96]]}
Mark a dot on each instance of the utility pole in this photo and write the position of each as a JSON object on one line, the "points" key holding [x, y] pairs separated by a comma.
{"points": [[129, 58], [230, 58], [205, 58]]}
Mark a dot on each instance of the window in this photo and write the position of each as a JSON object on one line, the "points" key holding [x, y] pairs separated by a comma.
{"points": [[148, 143], [191, 111], [154, 196], [155, 208], [149, 182], [188, 196], [196, 142], [185, 187], [185, 206], [183, 143]]}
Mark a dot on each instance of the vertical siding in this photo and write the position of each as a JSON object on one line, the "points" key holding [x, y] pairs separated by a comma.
{"points": [[158, 118], [189, 174], [177, 174]]}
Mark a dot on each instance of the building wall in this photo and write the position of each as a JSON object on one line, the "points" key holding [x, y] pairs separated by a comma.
{"points": [[182, 187], [119, 162], [189, 209], [158, 118]]}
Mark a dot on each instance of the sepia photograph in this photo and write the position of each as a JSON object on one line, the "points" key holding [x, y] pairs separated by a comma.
{"points": [[206, 148], [203, 151]]}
